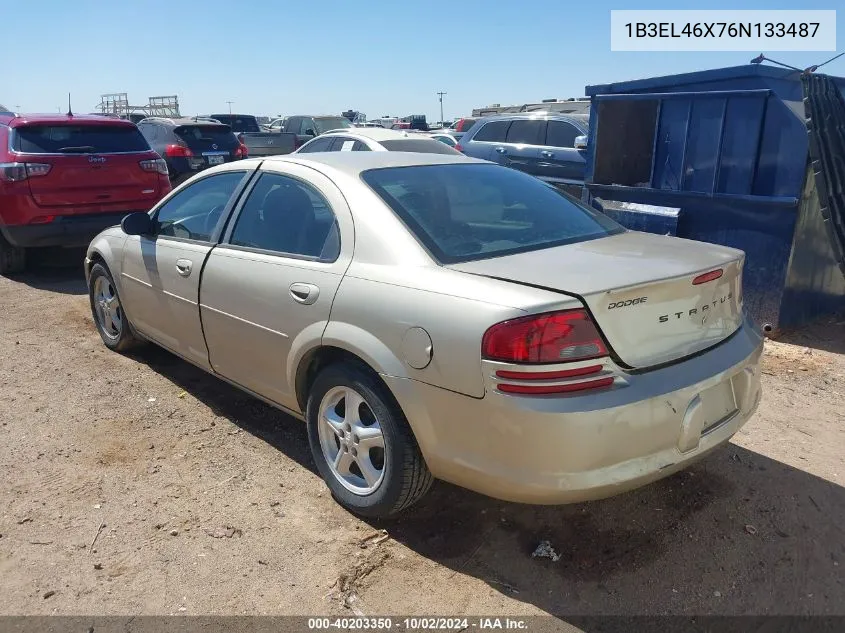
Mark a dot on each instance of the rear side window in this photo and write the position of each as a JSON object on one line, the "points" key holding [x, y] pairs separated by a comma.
{"points": [[419, 145], [218, 134], [286, 216], [561, 134], [464, 125], [526, 132], [495, 132], [83, 139]]}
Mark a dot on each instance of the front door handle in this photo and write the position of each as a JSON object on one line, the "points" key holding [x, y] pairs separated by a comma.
{"points": [[183, 267], [305, 294], [547, 154], [502, 150]]}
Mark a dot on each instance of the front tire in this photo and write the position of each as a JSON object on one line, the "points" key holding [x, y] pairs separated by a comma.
{"points": [[107, 311], [12, 258], [362, 443]]}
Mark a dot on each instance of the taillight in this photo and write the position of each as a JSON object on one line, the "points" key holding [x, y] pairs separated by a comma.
{"points": [[545, 390], [178, 151], [709, 276], [16, 172], [459, 147], [554, 337], [42, 219], [156, 165], [241, 151]]}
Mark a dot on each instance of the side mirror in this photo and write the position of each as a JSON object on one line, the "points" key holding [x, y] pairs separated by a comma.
{"points": [[138, 223], [581, 142], [310, 132]]}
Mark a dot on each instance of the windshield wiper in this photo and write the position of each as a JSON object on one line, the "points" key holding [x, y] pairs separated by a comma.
{"points": [[77, 149]]}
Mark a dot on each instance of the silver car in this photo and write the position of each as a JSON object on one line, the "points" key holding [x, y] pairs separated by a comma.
{"points": [[437, 316]]}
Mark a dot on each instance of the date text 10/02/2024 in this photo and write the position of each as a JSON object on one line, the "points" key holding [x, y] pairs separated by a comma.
{"points": [[418, 623]]}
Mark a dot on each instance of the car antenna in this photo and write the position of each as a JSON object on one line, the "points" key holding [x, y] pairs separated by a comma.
{"points": [[69, 111]]}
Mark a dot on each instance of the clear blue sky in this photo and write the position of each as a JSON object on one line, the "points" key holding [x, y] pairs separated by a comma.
{"points": [[289, 57]]}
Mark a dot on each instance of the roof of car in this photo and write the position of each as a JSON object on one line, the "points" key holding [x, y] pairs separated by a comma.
{"points": [[353, 163], [540, 114], [80, 119], [372, 133], [175, 122]]}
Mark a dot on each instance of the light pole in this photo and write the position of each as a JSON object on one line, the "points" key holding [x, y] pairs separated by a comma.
{"points": [[440, 94], [230, 106]]}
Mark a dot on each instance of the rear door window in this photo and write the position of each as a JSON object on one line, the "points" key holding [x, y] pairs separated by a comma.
{"points": [[526, 132], [561, 134], [494, 132], [81, 139], [207, 135]]}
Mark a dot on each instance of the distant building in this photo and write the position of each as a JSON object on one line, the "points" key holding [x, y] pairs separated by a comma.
{"points": [[581, 105]]}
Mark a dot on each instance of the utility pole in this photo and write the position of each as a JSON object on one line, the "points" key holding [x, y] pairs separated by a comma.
{"points": [[230, 106], [440, 94]]}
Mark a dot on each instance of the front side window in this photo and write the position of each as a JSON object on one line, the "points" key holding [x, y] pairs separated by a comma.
{"points": [[466, 212], [193, 213], [284, 215], [317, 145], [561, 134]]}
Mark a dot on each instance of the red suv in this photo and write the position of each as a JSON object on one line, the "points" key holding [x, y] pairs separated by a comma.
{"points": [[64, 178]]}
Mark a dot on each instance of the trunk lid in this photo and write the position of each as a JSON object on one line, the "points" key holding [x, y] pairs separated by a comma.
{"points": [[90, 164], [639, 288], [208, 139]]}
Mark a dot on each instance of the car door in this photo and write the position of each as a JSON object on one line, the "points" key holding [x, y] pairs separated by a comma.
{"points": [[160, 273], [560, 162], [268, 288], [522, 145], [488, 141]]}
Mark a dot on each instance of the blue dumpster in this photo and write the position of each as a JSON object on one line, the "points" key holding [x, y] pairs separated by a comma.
{"points": [[751, 157]]}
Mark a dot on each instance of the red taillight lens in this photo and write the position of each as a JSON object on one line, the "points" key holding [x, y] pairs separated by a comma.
{"points": [[555, 337], [42, 219], [156, 165], [710, 276], [241, 151], [178, 151], [16, 172]]}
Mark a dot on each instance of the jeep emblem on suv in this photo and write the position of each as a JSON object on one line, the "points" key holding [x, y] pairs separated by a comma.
{"points": [[96, 159]]}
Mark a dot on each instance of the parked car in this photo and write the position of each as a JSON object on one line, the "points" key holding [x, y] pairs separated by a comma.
{"points": [[443, 137], [257, 142], [461, 127], [189, 145], [376, 140], [436, 316], [307, 127], [543, 145], [65, 178]]}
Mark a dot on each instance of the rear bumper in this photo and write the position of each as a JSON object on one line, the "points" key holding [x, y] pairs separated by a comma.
{"points": [[65, 230], [550, 450]]}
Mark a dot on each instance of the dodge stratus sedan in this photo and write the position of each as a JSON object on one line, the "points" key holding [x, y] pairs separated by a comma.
{"points": [[437, 316]]}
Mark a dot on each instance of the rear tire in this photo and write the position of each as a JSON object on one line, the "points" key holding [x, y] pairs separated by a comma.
{"points": [[377, 469], [12, 258], [107, 310]]}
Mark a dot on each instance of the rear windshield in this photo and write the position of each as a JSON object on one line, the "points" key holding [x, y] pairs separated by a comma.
{"points": [[83, 139], [218, 134], [238, 123], [466, 212], [325, 124], [421, 145]]}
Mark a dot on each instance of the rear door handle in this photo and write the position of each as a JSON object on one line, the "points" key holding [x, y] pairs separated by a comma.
{"points": [[547, 154], [305, 294], [502, 150], [183, 267]]}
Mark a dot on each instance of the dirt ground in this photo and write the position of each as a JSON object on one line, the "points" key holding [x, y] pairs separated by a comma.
{"points": [[141, 485]]}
